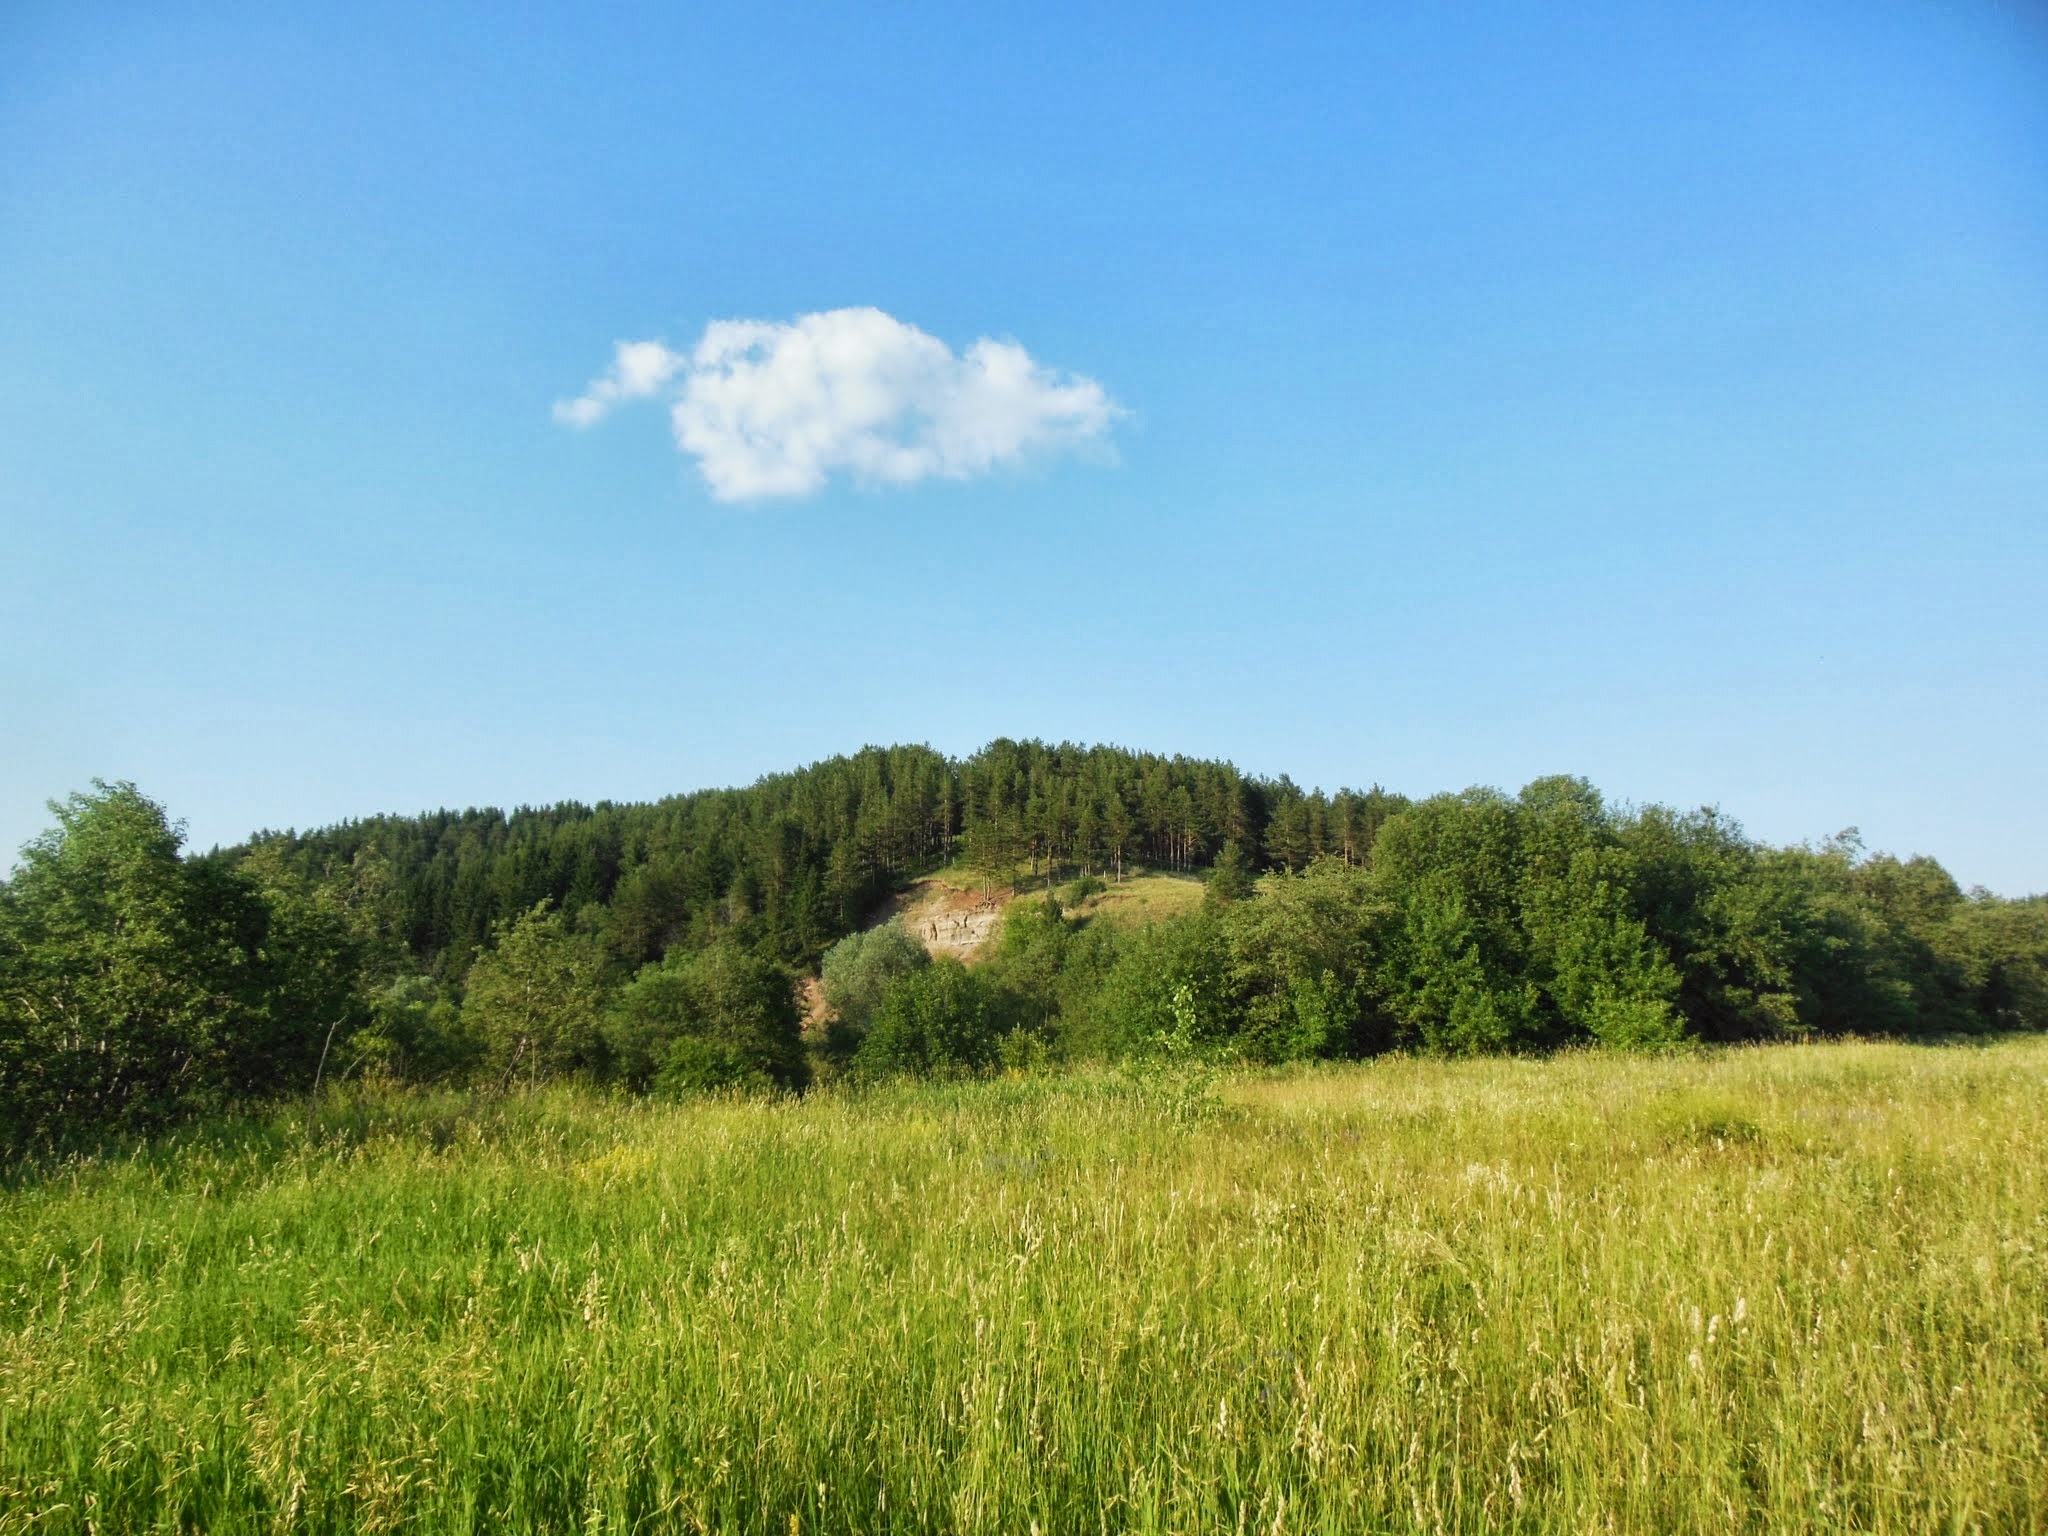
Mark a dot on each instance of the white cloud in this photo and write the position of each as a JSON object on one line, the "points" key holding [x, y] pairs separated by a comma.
{"points": [[639, 369], [772, 409]]}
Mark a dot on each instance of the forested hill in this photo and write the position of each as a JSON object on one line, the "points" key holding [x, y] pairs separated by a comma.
{"points": [[794, 861], [659, 946]]}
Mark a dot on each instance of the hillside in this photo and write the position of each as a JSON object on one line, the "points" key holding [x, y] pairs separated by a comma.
{"points": [[798, 859], [945, 917], [1142, 898], [950, 914], [662, 948]]}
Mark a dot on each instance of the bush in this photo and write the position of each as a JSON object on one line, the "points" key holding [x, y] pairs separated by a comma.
{"points": [[1029, 955], [536, 998], [137, 987], [1081, 889], [415, 1034], [695, 1064], [1165, 989], [719, 1018], [1305, 956], [942, 1018], [1230, 879], [860, 969]]}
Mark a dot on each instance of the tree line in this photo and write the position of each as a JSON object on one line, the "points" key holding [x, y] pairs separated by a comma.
{"points": [[793, 862], [660, 947]]}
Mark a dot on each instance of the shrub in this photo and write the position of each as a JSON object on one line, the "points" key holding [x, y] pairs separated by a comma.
{"points": [[860, 969], [719, 1018], [1231, 878], [535, 999], [1080, 890], [1166, 989], [1029, 956], [415, 1034], [137, 986], [941, 1018]]}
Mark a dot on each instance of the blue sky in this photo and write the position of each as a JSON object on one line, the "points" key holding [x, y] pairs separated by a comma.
{"points": [[1653, 393]]}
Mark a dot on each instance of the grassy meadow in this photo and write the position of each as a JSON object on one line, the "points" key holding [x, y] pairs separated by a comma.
{"points": [[1788, 1289], [1142, 898]]}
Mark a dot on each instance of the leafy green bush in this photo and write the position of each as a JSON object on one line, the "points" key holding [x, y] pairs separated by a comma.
{"points": [[719, 1018], [942, 1018], [1078, 891], [1231, 878], [137, 987], [1167, 990], [415, 1034], [859, 970], [536, 997], [1029, 954], [1305, 959]]}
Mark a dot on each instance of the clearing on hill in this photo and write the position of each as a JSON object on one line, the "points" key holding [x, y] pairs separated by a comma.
{"points": [[1141, 899], [947, 919], [952, 918]]}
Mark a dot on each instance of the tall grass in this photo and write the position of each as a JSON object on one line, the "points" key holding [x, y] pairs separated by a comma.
{"points": [[1779, 1289]]}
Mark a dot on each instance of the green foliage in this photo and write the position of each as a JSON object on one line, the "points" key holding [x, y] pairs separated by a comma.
{"points": [[718, 1019], [1843, 968], [318, 964], [942, 1018], [2000, 950], [1916, 907], [1703, 889], [859, 970], [1481, 923], [534, 999], [1231, 877], [1166, 990], [415, 1034], [1305, 958], [1079, 890], [1594, 959], [1447, 982], [1029, 956], [789, 864], [1455, 974], [136, 987]]}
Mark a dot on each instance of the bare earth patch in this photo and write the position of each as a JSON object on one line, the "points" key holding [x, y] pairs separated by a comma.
{"points": [[947, 919], [954, 919]]}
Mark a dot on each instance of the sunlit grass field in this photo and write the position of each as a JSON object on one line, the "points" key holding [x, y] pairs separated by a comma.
{"points": [[1142, 898], [1786, 1289]]}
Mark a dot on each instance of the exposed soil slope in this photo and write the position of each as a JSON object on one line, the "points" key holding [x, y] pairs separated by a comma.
{"points": [[945, 918]]}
